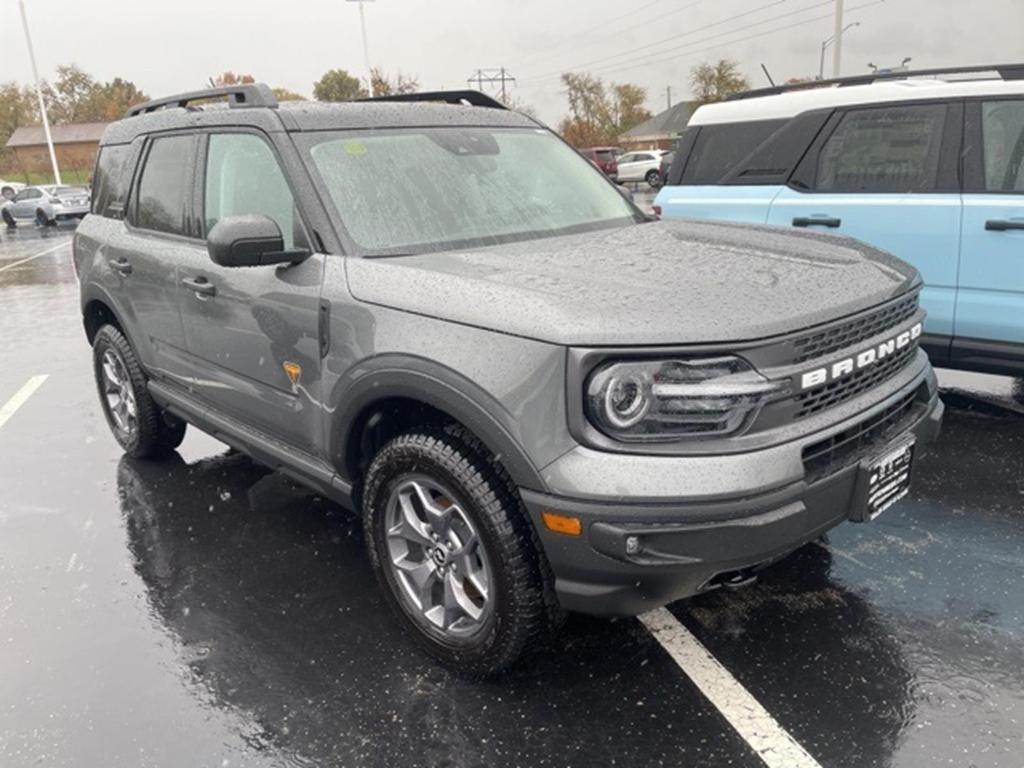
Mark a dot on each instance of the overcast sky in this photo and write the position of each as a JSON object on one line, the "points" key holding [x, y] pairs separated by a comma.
{"points": [[167, 47]]}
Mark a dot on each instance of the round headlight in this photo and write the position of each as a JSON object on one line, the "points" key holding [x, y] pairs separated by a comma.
{"points": [[626, 401]]}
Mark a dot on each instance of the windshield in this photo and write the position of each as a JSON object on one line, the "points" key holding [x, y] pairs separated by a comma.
{"points": [[430, 189]]}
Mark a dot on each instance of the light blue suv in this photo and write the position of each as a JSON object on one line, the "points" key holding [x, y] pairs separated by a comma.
{"points": [[927, 165]]}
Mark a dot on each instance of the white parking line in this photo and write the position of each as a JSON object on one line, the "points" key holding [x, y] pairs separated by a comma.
{"points": [[36, 256], [751, 721], [20, 397]]}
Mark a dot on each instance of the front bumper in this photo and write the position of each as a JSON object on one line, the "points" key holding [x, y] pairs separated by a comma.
{"points": [[690, 545]]}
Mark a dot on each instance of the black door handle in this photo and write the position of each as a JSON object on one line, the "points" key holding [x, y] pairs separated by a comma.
{"points": [[816, 221], [1001, 225], [121, 265], [199, 285]]}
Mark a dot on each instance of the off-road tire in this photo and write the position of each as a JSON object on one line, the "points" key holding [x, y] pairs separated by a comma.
{"points": [[156, 433], [526, 611]]}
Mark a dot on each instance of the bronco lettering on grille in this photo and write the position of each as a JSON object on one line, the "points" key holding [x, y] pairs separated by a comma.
{"points": [[869, 356]]}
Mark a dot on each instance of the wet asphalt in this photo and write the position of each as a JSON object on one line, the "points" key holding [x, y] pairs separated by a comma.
{"points": [[203, 611]]}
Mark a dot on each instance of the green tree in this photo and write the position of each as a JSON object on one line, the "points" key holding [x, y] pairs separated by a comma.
{"points": [[111, 100], [67, 98], [714, 82], [338, 85]]}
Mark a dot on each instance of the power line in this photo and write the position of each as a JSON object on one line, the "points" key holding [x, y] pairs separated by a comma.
{"points": [[718, 46], [644, 23], [603, 25], [670, 39]]}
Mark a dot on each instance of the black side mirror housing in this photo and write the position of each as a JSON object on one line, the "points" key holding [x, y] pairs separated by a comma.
{"points": [[249, 241]]}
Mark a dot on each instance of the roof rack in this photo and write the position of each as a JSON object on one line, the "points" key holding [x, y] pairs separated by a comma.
{"points": [[1004, 71], [469, 98], [247, 95]]}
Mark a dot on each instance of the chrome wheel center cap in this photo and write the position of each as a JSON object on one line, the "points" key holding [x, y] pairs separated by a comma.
{"points": [[439, 556]]}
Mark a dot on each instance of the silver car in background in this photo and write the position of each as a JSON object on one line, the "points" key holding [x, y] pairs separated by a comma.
{"points": [[46, 205]]}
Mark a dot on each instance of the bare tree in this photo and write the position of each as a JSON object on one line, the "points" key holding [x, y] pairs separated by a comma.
{"points": [[714, 82]]}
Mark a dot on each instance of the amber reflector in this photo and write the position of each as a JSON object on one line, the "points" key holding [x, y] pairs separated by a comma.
{"points": [[570, 526]]}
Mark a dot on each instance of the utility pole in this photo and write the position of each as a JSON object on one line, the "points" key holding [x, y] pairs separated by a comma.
{"points": [[668, 97], [491, 76], [837, 40], [39, 95]]}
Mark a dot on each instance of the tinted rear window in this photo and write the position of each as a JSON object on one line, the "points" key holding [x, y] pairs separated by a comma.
{"points": [[720, 147], [110, 181], [605, 155], [163, 190]]}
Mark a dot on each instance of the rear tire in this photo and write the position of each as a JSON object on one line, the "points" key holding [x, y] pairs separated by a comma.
{"points": [[502, 603], [42, 221], [138, 424]]}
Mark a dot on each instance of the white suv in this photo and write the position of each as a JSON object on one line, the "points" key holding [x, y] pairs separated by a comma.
{"points": [[641, 166]]}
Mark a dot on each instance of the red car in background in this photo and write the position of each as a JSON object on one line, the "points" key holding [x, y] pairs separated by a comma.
{"points": [[605, 158]]}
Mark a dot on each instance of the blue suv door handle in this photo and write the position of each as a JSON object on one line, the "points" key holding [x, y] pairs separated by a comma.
{"points": [[816, 221], [1001, 225]]}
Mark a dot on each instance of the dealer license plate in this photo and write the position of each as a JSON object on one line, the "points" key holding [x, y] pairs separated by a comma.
{"points": [[885, 480]]}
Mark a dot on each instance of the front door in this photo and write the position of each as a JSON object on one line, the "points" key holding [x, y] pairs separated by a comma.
{"points": [[990, 305], [888, 176], [26, 203], [252, 332]]}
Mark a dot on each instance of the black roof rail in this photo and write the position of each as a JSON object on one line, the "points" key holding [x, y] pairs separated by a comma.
{"points": [[247, 95], [1004, 71], [469, 98]]}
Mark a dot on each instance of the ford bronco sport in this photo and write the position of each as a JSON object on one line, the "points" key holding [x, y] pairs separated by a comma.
{"points": [[432, 310]]}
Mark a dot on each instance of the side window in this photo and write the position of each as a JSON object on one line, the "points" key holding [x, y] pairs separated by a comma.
{"points": [[720, 147], [883, 149], [1002, 135], [242, 177], [110, 181], [25, 194], [165, 183], [628, 158]]}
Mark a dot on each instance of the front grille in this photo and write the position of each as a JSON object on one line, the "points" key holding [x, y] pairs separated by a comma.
{"points": [[841, 390], [843, 449], [847, 334]]}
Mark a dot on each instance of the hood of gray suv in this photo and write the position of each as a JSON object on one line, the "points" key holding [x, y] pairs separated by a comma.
{"points": [[678, 282]]}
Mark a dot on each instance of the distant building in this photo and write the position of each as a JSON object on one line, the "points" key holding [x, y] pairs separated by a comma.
{"points": [[76, 146], [661, 131]]}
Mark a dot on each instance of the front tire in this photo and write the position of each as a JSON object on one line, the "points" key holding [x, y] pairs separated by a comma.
{"points": [[653, 179], [138, 424], [9, 220], [450, 542]]}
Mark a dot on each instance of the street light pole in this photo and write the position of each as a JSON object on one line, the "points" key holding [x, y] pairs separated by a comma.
{"points": [[826, 43], [366, 48], [39, 94], [837, 46]]}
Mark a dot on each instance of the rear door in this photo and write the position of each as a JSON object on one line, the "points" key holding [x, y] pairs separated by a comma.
{"points": [[990, 304], [144, 255], [629, 166], [889, 175], [247, 328]]}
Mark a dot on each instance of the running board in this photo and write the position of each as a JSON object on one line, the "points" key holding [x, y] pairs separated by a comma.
{"points": [[298, 465]]}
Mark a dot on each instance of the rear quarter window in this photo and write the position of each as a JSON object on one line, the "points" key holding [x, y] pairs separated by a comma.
{"points": [[720, 147], [111, 180]]}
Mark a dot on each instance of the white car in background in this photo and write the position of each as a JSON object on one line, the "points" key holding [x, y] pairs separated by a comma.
{"points": [[641, 166], [46, 205]]}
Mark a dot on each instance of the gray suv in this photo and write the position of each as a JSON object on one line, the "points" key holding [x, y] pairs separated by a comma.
{"points": [[432, 310]]}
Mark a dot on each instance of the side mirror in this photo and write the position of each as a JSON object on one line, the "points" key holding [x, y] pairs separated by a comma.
{"points": [[249, 241]]}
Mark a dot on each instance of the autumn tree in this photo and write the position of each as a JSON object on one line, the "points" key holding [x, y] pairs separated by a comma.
{"points": [[338, 85], [283, 94], [383, 85], [232, 78], [111, 100], [599, 113], [714, 82]]}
